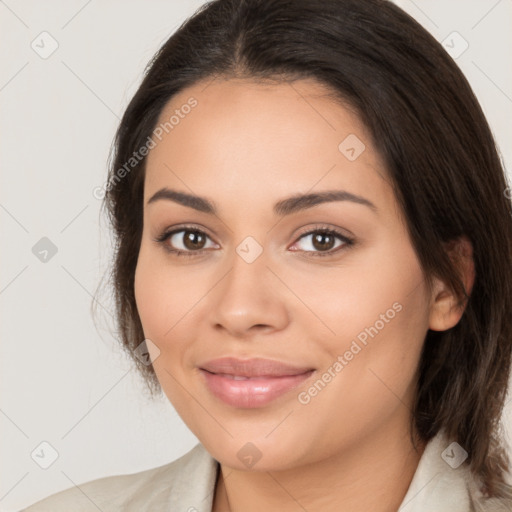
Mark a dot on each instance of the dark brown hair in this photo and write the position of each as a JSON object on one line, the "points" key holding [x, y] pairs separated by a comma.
{"points": [[440, 156]]}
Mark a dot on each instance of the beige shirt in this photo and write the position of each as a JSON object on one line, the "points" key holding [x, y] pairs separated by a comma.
{"points": [[188, 484]]}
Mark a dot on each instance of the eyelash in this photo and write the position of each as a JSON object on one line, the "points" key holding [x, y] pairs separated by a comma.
{"points": [[162, 238]]}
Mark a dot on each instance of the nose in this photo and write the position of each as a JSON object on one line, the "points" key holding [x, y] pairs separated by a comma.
{"points": [[250, 299]]}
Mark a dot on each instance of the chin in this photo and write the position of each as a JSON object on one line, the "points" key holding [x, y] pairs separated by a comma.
{"points": [[256, 455]]}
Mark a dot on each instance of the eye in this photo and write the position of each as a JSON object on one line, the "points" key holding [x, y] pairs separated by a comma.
{"points": [[322, 242], [186, 241], [191, 241]]}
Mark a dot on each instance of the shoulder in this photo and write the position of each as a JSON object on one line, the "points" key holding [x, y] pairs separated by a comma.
{"points": [[443, 482], [187, 483], [481, 504]]}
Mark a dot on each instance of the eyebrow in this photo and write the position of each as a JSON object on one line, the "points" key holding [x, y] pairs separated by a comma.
{"points": [[282, 208]]}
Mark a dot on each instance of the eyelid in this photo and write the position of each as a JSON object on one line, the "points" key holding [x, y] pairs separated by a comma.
{"points": [[166, 233], [343, 233]]}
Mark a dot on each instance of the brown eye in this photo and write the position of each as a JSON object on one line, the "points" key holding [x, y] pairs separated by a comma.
{"points": [[322, 242], [193, 240], [186, 242]]}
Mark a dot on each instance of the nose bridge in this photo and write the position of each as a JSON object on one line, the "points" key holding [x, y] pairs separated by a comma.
{"points": [[250, 250], [246, 297], [245, 281]]}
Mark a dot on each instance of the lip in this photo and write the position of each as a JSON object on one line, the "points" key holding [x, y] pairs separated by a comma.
{"points": [[251, 383]]}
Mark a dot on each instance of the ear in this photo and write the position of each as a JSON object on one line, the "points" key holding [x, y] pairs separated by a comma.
{"points": [[445, 307]]}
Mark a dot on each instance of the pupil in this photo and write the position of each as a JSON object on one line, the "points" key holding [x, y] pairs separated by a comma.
{"points": [[319, 241], [194, 240]]}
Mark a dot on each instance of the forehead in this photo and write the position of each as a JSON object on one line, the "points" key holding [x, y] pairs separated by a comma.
{"points": [[264, 108], [249, 135]]}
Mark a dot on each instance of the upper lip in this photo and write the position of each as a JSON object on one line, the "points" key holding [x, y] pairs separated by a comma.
{"points": [[257, 367]]}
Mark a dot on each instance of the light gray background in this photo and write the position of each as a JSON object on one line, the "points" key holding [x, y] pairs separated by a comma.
{"points": [[61, 381]]}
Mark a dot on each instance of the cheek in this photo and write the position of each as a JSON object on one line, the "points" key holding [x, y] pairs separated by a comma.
{"points": [[165, 294], [147, 289], [376, 313], [379, 288], [160, 305], [373, 360], [168, 300]]}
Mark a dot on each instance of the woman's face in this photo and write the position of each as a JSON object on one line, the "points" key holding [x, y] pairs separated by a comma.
{"points": [[260, 277]]}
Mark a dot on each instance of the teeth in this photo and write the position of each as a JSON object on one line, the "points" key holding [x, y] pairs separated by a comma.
{"points": [[234, 377], [240, 377]]}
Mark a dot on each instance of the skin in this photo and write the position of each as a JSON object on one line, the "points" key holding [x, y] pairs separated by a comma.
{"points": [[246, 146]]}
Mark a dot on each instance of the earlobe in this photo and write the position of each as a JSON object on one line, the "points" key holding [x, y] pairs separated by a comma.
{"points": [[446, 307]]}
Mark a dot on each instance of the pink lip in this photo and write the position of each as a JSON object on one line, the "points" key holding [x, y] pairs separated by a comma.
{"points": [[259, 380]]}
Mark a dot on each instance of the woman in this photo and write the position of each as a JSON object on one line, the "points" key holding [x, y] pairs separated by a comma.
{"points": [[313, 253]]}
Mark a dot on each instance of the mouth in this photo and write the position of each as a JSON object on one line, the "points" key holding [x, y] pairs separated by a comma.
{"points": [[255, 367], [248, 392], [241, 377]]}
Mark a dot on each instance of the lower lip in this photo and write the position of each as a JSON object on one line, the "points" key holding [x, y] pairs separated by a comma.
{"points": [[254, 392]]}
